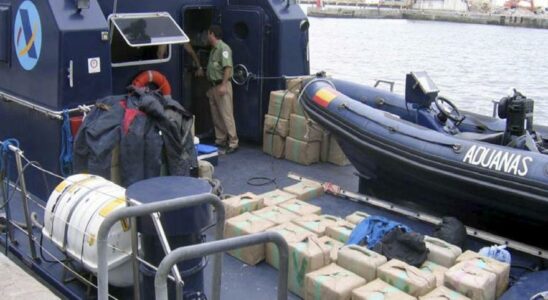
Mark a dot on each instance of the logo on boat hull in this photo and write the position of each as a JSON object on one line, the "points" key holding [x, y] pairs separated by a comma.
{"points": [[498, 160], [27, 35]]}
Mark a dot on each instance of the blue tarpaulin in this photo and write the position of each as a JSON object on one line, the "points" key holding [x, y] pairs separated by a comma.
{"points": [[371, 230]]}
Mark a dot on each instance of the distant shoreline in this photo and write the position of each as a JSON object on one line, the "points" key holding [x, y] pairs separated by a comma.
{"points": [[527, 21]]}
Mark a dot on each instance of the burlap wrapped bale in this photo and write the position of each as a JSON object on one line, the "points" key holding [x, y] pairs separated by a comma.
{"points": [[292, 234], [443, 293], [245, 224], [305, 190], [333, 245], [441, 252], [437, 270], [357, 217], [500, 269], [273, 145], [361, 261], [276, 197], [341, 231], [471, 281], [281, 104], [301, 208], [336, 155], [379, 290], [240, 204], [324, 147], [304, 153], [331, 282], [276, 214], [303, 129], [306, 256], [407, 278], [275, 125], [317, 224]]}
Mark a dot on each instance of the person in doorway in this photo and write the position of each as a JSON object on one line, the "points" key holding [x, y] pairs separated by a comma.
{"points": [[219, 73], [161, 53]]}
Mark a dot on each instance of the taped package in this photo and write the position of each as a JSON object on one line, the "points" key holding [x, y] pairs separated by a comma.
{"points": [[292, 234], [276, 214], [407, 278], [281, 104], [305, 190], [324, 147], [240, 204], [437, 270], [357, 217], [306, 256], [275, 125], [331, 282], [273, 145], [471, 281], [443, 293], [333, 245], [379, 290], [336, 155], [317, 224], [304, 153], [340, 231], [303, 129], [500, 269], [295, 85], [361, 261], [245, 224], [276, 197], [441, 252], [301, 208]]}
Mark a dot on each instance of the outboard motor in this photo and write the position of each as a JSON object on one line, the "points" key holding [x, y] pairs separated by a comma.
{"points": [[518, 112]]}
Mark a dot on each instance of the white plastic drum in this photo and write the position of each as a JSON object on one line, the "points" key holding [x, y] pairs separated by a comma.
{"points": [[74, 212]]}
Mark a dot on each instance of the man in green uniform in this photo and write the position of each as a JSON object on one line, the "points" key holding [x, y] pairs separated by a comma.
{"points": [[219, 73]]}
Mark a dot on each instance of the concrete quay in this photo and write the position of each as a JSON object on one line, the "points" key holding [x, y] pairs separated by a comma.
{"points": [[529, 21]]}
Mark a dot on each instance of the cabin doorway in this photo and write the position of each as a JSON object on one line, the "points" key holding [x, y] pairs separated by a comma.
{"points": [[196, 21]]}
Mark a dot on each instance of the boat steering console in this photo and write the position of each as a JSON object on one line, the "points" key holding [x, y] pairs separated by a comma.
{"points": [[448, 110]]}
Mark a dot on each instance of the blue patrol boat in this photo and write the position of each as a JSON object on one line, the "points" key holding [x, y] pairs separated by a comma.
{"points": [[90, 238], [420, 149]]}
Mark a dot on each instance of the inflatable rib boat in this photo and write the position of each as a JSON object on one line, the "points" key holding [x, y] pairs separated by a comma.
{"points": [[421, 150]]}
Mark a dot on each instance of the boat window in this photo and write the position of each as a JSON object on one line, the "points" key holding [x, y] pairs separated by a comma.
{"points": [[138, 39]]}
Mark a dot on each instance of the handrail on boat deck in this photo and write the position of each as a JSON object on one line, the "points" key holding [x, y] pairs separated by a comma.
{"points": [[147, 209], [220, 246], [58, 115]]}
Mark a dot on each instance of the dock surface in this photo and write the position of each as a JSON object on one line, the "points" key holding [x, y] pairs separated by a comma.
{"points": [[17, 284], [528, 21]]}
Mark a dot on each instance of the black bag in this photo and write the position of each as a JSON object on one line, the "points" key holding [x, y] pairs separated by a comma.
{"points": [[408, 247], [452, 231]]}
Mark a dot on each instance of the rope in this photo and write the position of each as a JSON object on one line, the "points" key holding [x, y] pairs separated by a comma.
{"points": [[65, 158]]}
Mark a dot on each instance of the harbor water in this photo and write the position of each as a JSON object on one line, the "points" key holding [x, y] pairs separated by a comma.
{"points": [[471, 64]]}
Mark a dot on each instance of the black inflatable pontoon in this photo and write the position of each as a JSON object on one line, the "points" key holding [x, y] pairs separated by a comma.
{"points": [[421, 150]]}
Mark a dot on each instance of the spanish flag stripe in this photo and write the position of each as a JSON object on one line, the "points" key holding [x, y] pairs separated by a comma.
{"points": [[324, 96]]}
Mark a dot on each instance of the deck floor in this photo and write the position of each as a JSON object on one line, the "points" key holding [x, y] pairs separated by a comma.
{"points": [[240, 281]]}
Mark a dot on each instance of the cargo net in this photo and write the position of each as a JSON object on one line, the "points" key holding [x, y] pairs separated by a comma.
{"points": [[8, 191]]}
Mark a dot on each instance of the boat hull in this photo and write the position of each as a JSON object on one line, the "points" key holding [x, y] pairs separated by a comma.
{"points": [[429, 175]]}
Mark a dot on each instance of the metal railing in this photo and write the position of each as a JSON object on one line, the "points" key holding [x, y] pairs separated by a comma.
{"points": [[220, 246], [58, 115], [145, 210]]}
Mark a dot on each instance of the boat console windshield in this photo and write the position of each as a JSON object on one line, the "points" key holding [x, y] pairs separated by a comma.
{"points": [[439, 113]]}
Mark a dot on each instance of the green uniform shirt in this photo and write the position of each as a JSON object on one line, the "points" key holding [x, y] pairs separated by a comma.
{"points": [[219, 58]]}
